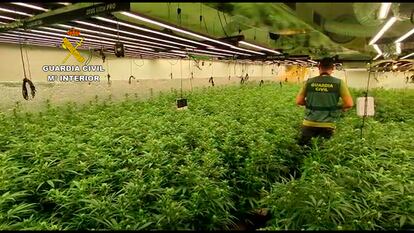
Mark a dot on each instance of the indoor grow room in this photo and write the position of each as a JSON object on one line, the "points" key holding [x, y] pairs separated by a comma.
{"points": [[182, 116]]}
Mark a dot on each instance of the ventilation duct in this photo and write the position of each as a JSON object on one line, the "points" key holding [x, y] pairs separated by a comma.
{"points": [[366, 13], [349, 29]]}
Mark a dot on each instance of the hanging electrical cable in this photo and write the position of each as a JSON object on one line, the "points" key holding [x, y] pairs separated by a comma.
{"points": [[28, 64], [25, 79], [108, 75], [225, 19], [211, 79], [228, 69], [130, 72], [366, 99], [179, 14], [181, 102], [221, 23], [171, 73], [89, 57], [203, 18], [141, 60], [191, 74], [181, 78]]}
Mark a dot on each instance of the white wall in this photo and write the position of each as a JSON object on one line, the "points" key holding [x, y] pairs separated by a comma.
{"points": [[359, 79], [152, 76], [121, 68]]}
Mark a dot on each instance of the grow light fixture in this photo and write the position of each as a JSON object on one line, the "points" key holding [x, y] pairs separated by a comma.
{"points": [[258, 47], [30, 6], [15, 12], [98, 37], [185, 32], [172, 28], [61, 35], [409, 55], [121, 37], [390, 22], [29, 37], [148, 30], [405, 36], [385, 8], [398, 48]]}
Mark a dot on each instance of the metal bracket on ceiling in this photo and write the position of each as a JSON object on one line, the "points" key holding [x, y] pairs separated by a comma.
{"points": [[52, 17], [234, 40]]}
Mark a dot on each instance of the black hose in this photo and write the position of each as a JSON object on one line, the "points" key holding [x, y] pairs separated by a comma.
{"points": [[25, 79], [24, 89], [211, 80], [130, 79]]}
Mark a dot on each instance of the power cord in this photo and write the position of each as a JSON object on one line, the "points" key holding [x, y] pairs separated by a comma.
{"points": [[221, 23], [25, 92]]}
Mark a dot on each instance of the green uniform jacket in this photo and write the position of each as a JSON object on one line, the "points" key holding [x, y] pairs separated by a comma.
{"points": [[322, 95]]}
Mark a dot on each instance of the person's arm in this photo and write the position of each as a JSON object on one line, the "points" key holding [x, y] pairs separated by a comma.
{"points": [[300, 98], [347, 102]]}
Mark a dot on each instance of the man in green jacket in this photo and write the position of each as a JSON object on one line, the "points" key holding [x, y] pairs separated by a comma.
{"points": [[320, 95]]}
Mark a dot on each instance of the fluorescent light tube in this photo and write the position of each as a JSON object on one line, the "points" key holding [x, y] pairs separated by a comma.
{"points": [[377, 49], [172, 28], [390, 22], [151, 31], [385, 8], [30, 6], [87, 39], [121, 37], [15, 12], [377, 56], [65, 3], [130, 33], [5, 17], [405, 36], [409, 55], [98, 37], [258, 47], [184, 31]]}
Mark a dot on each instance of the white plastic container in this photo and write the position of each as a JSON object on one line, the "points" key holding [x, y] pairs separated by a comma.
{"points": [[370, 108]]}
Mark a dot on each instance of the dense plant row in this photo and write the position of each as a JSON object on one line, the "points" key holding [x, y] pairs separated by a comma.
{"points": [[145, 165]]}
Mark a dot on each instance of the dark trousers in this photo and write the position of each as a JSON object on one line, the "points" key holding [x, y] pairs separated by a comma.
{"points": [[309, 132]]}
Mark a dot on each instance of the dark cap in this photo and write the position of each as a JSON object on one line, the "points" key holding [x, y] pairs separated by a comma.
{"points": [[327, 62]]}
